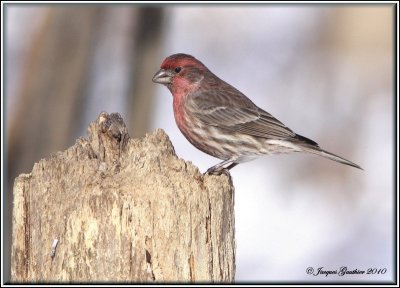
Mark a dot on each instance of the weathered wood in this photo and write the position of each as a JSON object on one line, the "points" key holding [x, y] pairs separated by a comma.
{"points": [[122, 209]]}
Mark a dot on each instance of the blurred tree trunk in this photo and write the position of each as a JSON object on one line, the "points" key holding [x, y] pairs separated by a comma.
{"points": [[52, 86], [111, 208], [53, 90], [145, 64]]}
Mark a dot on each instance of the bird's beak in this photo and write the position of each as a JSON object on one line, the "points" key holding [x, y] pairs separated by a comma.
{"points": [[163, 77]]}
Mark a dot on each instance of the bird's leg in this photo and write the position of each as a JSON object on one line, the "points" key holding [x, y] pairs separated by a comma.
{"points": [[222, 167], [231, 166]]}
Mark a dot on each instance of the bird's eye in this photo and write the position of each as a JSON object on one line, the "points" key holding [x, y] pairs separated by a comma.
{"points": [[178, 69]]}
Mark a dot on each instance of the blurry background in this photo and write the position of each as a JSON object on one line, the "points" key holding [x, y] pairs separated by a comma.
{"points": [[326, 71]]}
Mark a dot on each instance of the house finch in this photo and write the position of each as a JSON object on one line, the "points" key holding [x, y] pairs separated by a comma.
{"points": [[221, 121]]}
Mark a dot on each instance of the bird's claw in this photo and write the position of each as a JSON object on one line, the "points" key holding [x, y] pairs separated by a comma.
{"points": [[213, 171]]}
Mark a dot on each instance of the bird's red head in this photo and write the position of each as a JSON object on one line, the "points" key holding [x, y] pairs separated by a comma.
{"points": [[180, 71], [180, 60]]}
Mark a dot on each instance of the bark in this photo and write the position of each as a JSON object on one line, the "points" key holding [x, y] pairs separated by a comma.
{"points": [[113, 208]]}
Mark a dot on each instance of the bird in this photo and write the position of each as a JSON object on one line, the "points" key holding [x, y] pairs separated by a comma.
{"points": [[221, 121]]}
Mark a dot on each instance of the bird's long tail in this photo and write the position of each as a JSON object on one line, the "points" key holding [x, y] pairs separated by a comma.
{"points": [[318, 151]]}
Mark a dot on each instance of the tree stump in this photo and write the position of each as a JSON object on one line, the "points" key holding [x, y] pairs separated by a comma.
{"points": [[112, 208]]}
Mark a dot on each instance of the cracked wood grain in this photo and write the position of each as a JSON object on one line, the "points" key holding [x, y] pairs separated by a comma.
{"points": [[122, 210]]}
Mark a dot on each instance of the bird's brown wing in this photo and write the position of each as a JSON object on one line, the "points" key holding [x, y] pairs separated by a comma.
{"points": [[227, 108]]}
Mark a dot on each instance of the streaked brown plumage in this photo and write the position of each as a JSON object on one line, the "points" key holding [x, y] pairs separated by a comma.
{"points": [[221, 121]]}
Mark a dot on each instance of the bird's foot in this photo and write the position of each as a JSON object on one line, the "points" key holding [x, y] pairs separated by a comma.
{"points": [[221, 168], [220, 171]]}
